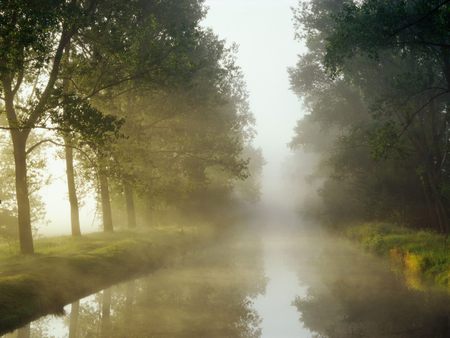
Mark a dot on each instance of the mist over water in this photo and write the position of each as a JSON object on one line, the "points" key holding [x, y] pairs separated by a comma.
{"points": [[274, 277]]}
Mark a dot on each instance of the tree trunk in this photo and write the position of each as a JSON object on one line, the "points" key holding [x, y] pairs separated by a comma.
{"points": [[131, 211], [446, 64], [23, 202], [106, 202], [440, 210], [24, 332], [444, 216], [429, 203], [106, 314], [74, 314], [72, 190], [73, 199], [130, 295]]}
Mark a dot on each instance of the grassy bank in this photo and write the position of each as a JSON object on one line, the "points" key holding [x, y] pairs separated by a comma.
{"points": [[65, 269], [423, 256]]}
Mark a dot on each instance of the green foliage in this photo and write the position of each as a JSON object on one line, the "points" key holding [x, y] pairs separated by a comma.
{"points": [[79, 118], [383, 139], [28, 30], [372, 25]]}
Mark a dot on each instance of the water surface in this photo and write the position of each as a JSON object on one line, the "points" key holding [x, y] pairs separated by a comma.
{"points": [[283, 284], [276, 306]]}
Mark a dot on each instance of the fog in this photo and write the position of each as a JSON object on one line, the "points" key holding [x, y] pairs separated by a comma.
{"points": [[56, 200], [224, 168], [264, 32]]}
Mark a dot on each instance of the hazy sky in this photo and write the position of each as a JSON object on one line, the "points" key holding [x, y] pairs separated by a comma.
{"points": [[264, 31]]}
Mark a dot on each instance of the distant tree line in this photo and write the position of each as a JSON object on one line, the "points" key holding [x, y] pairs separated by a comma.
{"points": [[145, 102], [376, 85]]}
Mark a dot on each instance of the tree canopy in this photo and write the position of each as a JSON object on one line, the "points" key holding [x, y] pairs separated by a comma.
{"points": [[374, 81]]}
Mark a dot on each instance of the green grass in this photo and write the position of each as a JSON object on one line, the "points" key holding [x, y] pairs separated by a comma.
{"points": [[65, 269], [420, 252]]}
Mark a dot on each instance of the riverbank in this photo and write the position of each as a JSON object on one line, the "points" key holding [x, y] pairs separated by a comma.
{"points": [[65, 269], [422, 256]]}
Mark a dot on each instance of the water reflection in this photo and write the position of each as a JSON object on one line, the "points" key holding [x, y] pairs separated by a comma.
{"points": [[221, 291], [24, 332], [205, 294], [275, 306], [355, 295], [73, 321]]}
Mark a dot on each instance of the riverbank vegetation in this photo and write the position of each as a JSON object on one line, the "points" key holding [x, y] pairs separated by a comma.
{"points": [[375, 82], [420, 254]]}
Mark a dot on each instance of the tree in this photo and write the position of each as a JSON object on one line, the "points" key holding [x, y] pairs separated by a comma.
{"points": [[410, 41], [411, 28], [381, 98], [96, 131], [34, 39], [29, 31]]}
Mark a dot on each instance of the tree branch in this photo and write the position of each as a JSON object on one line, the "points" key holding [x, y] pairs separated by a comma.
{"points": [[40, 108], [415, 22], [66, 130], [20, 77], [33, 147], [36, 145], [109, 85], [11, 114], [412, 117]]}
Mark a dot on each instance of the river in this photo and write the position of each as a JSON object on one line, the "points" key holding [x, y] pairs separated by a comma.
{"points": [[281, 284]]}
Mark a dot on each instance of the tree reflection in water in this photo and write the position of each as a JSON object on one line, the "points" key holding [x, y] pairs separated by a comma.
{"points": [[354, 295]]}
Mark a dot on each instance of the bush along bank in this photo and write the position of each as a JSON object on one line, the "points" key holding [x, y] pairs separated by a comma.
{"points": [[66, 269], [420, 255]]}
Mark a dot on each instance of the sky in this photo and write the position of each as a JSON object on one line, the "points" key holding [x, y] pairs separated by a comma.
{"points": [[264, 31]]}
